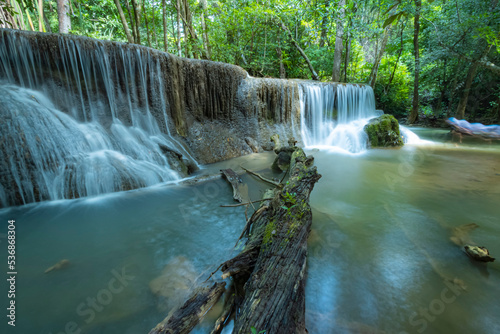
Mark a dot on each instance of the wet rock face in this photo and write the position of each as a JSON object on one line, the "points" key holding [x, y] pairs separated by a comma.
{"points": [[213, 107], [383, 131]]}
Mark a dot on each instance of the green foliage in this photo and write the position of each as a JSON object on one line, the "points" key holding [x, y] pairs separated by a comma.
{"points": [[249, 33]]}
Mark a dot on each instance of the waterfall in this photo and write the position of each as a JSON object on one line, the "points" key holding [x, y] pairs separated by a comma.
{"points": [[334, 115], [78, 121]]}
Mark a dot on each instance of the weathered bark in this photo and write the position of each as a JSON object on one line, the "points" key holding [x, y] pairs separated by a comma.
{"points": [[274, 294], [337, 56], [302, 53], [63, 16], [235, 182], [471, 74], [416, 30], [185, 318], [124, 21], [164, 16], [378, 57]]}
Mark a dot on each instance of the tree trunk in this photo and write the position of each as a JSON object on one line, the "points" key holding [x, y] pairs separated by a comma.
{"points": [[124, 21], [273, 263], [179, 49], [378, 57], [324, 25], [347, 55], [164, 15], [416, 30], [337, 56], [206, 42], [185, 318], [444, 85], [146, 21], [462, 104], [137, 17], [397, 60], [63, 15], [132, 21], [302, 53], [471, 74], [282, 66]]}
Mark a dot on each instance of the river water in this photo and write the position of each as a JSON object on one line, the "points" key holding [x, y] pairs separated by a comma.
{"points": [[380, 255]]}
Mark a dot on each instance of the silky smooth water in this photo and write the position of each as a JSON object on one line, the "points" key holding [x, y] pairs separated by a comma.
{"points": [[380, 255]]}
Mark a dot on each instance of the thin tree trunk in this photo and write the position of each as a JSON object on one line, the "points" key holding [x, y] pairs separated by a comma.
{"points": [[164, 15], [175, 34], [397, 61], [444, 85], [179, 28], [280, 57], [63, 15], [145, 13], [132, 21], [416, 30], [124, 21], [41, 25], [378, 57], [471, 74], [324, 26], [206, 42], [347, 55], [337, 56], [137, 16], [154, 27], [302, 53]]}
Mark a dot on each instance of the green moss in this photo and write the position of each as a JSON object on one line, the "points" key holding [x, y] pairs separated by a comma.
{"points": [[269, 232], [383, 131]]}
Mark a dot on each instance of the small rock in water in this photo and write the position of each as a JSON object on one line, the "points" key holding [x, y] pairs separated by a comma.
{"points": [[479, 253], [59, 265]]}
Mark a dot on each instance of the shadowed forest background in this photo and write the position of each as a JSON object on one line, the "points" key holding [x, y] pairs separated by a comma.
{"points": [[426, 60]]}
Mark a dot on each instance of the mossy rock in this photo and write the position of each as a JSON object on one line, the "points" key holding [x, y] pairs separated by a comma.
{"points": [[383, 131]]}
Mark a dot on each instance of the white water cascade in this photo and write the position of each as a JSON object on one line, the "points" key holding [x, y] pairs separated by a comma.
{"points": [[84, 128], [334, 115]]}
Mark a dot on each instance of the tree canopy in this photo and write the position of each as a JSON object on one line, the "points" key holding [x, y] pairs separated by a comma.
{"points": [[435, 57]]}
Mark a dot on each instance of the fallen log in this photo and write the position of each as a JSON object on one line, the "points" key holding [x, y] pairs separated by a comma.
{"points": [[235, 182], [183, 320], [273, 263], [268, 286]]}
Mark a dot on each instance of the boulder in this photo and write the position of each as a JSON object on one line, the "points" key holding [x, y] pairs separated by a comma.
{"points": [[383, 131]]}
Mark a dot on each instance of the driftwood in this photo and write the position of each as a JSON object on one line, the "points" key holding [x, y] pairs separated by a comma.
{"points": [[268, 277], [235, 182], [184, 319], [272, 264], [265, 179]]}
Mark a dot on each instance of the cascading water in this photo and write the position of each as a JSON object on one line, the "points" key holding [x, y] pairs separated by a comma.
{"points": [[334, 115], [106, 139]]}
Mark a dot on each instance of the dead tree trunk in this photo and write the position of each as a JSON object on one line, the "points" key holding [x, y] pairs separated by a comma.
{"points": [[274, 260], [268, 290], [183, 320]]}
